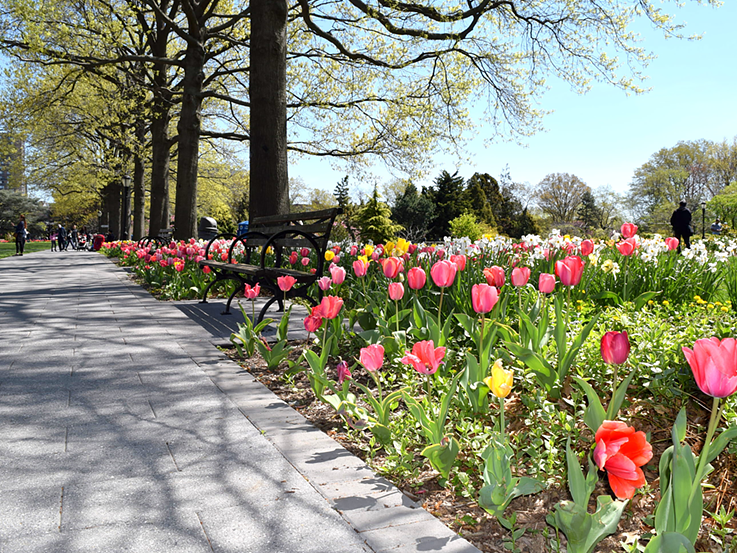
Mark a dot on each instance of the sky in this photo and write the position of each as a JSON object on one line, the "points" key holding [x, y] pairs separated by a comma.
{"points": [[604, 135]]}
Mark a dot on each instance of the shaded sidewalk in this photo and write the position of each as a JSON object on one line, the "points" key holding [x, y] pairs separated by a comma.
{"points": [[122, 428]]}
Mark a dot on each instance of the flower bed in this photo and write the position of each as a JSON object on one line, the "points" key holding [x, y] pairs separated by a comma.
{"points": [[515, 371]]}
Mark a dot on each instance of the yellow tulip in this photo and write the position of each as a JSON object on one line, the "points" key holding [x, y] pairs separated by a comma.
{"points": [[500, 381], [329, 255], [363, 258], [368, 249]]}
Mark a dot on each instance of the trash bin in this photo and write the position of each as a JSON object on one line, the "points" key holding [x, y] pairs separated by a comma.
{"points": [[242, 227], [207, 229], [97, 244]]}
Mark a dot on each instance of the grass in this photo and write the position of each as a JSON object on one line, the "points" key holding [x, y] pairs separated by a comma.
{"points": [[8, 248]]}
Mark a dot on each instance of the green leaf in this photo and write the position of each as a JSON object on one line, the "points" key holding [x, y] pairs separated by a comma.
{"points": [[594, 415], [616, 403], [443, 455], [718, 445], [576, 480], [544, 371], [669, 542], [643, 298]]}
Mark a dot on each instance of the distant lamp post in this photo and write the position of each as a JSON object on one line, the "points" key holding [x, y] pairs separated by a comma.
{"points": [[703, 220], [126, 206]]}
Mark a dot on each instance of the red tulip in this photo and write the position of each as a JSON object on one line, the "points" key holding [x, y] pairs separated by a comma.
{"points": [[459, 260], [569, 270], [330, 306], [629, 230], [252, 293], [293, 257], [360, 267], [714, 365], [396, 291], [483, 297], [206, 269], [425, 357], [286, 282], [587, 247], [495, 276], [305, 252], [671, 242], [443, 273], [627, 247], [546, 283], [615, 347], [392, 266], [338, 274], [416, 278], [520, 276], [621, 452], [312, 322], [372, 357]]}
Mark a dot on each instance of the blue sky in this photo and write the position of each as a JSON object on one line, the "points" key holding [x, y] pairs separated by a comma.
{"points": [[604, 135]]}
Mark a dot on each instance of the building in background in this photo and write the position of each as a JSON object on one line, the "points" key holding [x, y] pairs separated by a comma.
{"points": [[11, 164]]}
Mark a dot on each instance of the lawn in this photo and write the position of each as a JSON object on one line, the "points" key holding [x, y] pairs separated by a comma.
{"points": [[8, 248]]}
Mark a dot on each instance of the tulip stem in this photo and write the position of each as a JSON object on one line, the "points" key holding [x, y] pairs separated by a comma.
{"points": [[396, 313], [501, 416], [253, 311], [427, 386], [481, 340], [701, 467], [377, 379], [440, 308]]}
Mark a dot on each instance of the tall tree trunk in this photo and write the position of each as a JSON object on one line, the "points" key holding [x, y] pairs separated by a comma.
{"points": [[188, 128], [160, 154], [112, 202], [139, 186], [268, 97]]}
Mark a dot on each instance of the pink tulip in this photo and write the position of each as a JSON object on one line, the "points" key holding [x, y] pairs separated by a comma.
{"points": [[372, 357], [354, 249], [344, 373], [286, 282], [443, 273], [671, 242], [628, 230], [459, 260], [360, 267], [546, 284], [714, 365], [627, 247], [520, 276], [425, 357], [324, 283], [495, 276], [483, 297], [305, 261], [293, 258], [587, 247], [392, 266], [416, 278], [615, 347], [338, 274], [396, 291], [569, 270], [252, 293], [330, 306]]}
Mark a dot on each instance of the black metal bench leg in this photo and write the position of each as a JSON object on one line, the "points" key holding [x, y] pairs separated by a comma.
{"points": [[265, 308], [204, 294]]}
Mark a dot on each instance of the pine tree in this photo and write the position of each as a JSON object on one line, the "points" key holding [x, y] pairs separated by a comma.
{"points": [[450, 202], [479, 201], [588, 212], [414, 211], [374, 220], [341, 193]]}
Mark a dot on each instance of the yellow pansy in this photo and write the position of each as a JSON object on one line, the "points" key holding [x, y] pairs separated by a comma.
{"points": [[500, 381]]}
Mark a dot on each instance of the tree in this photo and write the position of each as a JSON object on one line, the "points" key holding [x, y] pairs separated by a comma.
{"points": [[342, 193], [13, 204], [450, 202], [610, 205], [478, 189], [414, 212], [374, 220], [588, 212], [559, 196]]}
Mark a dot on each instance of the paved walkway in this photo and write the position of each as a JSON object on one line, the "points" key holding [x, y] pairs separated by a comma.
{"points": [[122, 428]]}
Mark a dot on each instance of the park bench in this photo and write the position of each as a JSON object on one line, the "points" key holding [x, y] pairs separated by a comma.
{"points": [[154, 242], [267, 251]]}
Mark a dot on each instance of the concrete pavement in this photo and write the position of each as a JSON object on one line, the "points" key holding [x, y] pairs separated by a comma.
{"points": [[122, 428]]}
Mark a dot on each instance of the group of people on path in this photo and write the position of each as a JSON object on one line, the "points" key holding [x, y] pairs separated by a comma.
{"points": [[62, 239]]}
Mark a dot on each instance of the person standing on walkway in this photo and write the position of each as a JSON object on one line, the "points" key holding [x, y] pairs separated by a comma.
{"points": [[62, 232], [54, 237], [73, 237], [681, 223], [20, 235]]}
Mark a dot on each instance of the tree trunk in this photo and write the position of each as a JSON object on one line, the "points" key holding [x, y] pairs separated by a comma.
{"points": [[112, 201], [139, 187], [160, 148], [185, 214], [268, 84]]}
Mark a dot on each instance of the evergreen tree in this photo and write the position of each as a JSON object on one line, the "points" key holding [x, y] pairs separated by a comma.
{"points": [[341, 194], [414, 211], [588, 212], [477, 197], [374, 220], [450, 202]]}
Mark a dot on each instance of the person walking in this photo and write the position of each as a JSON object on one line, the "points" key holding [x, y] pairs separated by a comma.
{"points": [[681, 223], [20, 235], [73, 237], [62, 232]]}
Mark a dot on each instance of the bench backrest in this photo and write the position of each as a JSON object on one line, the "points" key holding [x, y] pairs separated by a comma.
{"points": [[318, 224]]}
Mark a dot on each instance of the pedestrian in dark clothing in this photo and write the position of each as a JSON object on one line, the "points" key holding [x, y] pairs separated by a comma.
{"points": [[54, 238], [20, 235], [681, 223], [73, 237], [62, 237]]}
